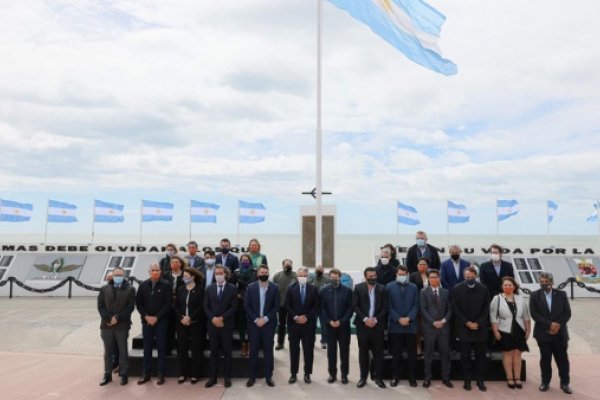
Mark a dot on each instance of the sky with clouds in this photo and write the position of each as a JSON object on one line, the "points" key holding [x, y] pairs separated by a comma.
{"points": [[215, 101]]}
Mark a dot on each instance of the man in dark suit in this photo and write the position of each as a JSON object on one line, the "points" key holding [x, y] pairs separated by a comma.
{"points": [[371, 308], [436, 311], [492, 272], [192, 258], [336, 310], [551, 311], [153, 301], [262, 303], [452, 269], [208, 268], [422, 249], [302, 305], [220, 302], [226, 258], [471, 307]]}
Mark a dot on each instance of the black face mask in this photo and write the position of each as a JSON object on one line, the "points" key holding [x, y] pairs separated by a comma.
{"points": [[372, 281], [287, 268], [263, 278], [455, 257], [224, 250], [319, 273], [545, 286]]}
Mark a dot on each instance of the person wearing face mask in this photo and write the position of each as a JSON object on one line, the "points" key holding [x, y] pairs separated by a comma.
{"points": [[370, 304], [262, 303], [319, 279], [220, 302], [551, 311], [153, 300], [165, 262], [244, 275], [302, 304], [175, 279], [471, 308], [208, 269], [189, 313], [422, 249], [257, 257], [336, 311], [492, 272], [193, 259], [452, 269], [403, 300], [226, 257], [283, 279], [116, 301], [386, 267], [511, 324]]}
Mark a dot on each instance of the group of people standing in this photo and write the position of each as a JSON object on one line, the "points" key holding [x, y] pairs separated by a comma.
{"points": [[421, 306]]}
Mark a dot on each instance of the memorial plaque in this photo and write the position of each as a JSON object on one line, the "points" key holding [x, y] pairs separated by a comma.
{"points": [[308, 241]]}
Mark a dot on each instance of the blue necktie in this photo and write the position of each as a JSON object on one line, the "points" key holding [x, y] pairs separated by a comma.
{"points": [[220, 292], [302, 293]]}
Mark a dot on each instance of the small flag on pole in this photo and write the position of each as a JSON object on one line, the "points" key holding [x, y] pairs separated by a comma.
{"points": [[552, 207], [12, 211], [594, 216], [457, 213], [108, 212], [61, 212], [507, 208], [203, 212], [251, 213], [407, 215], [156, 211]]}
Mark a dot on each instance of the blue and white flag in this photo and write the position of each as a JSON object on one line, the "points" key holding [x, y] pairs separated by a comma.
{"points": [[251, 213], [156, 211], [594, 216], [411, 26], [12, 211], [407, 215], [506, 209], [203, 212], [59, 211], [457, 213], [552, 207], [108, 212]]}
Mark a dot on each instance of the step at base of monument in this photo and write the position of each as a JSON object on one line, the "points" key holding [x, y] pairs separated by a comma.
{"points": [[137, 342], [239, 365]]}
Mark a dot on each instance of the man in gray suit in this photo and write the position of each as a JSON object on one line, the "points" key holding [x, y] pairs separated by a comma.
{"points": [[436, 311]]}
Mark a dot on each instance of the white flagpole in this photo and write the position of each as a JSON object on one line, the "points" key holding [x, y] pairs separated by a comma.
{"points": [[598, 218], [397, 223], [46, 227], [497, 221], [141, 219], [190, 238], [319, 148], [447, 225], [238, 224], [547, 218], [93, 222]]}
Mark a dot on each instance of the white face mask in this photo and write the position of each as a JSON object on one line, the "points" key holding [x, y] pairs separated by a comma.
{"points": [[220, 279], [401, 278], [495, 257], [384, 260], [302, 280]]}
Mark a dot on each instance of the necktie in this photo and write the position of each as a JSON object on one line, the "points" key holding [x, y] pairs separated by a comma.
{"points": [[302, 294], [220, 292], [436, 299]]}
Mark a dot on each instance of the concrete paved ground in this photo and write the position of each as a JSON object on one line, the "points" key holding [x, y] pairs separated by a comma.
{"points": [[51, 349]]}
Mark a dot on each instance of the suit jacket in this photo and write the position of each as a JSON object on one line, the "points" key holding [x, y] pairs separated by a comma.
{"points": [[231, 261], [493, 281], [155, 302], [500, 312], [118, 302], [195, 303], [294, 306], [361, 305], [198, 261], [387, 273], [431, 313], [471, 305], [224, 308], [448, 277], [413, 255], [252, 305], [417, 279], [561, 313], [336, 303], [403, 301]]}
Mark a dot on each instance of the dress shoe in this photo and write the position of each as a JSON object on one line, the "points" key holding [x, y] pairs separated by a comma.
{"points": [[194, 381], [544, 387], [124, 381], [361, 383], [106, 379], [270, 382], [279, 346], [227, 382], [481, 386], [426, 383], [211, 382], [467, 385], [519, 384], [181, 379], [160, 380], [293, 379], [566, 389], [324, 346], [380, 383], [344, 379], [510, 383], [412, 383], [143, 380], [307, 378], [448, 384], [394, 382], [250, 382], [331, 379]]}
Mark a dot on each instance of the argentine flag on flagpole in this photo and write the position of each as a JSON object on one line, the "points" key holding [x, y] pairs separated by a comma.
{"points": [[251, 213], [411, 26], [457, 213], [552, 207], [506, 209], [156, 211], [594, 216], [12, 211], [407, 215], [61, 212], [108, 212], [203, 212]]}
